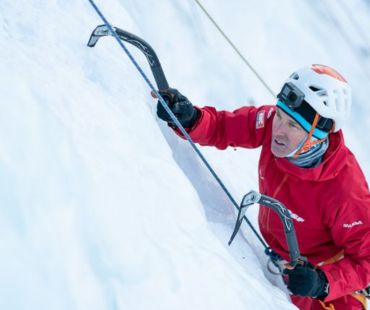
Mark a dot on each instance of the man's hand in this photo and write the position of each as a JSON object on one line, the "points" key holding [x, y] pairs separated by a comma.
{"points": [[305, 280], [185, 112]]}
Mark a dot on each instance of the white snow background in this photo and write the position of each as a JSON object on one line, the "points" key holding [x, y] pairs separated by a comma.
{"points": [[102, 206]]}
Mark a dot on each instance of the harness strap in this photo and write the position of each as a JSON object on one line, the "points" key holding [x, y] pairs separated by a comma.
{"points": [[360, 297], [326, 307], [332, 259]]}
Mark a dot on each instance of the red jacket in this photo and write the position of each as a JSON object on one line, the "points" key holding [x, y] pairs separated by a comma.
{"points": [[330, 203]]}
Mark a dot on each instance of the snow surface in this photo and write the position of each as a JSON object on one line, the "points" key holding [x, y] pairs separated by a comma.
{"points": [[102, 206]]}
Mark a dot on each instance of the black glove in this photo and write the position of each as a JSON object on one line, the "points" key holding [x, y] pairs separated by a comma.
{"points": [[305, 280], [185, 112]]}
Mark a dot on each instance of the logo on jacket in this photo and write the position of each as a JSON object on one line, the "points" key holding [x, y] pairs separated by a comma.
{"points": [[295, 217], [260, 120], [355, 223], [270, 112]]}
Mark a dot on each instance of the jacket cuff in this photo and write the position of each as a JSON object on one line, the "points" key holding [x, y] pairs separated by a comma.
{"points": [[192, 129], [332, 277]]}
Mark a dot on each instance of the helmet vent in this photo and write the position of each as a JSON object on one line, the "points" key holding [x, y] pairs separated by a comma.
{"points": [[318, 91], [294, 76], [322, 92], [313, 88]]}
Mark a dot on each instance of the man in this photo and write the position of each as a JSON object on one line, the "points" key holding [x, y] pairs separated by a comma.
{"points": [[305, 164]]}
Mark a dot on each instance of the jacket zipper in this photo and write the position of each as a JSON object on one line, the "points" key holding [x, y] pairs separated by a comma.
{"points": [[277, 190]]}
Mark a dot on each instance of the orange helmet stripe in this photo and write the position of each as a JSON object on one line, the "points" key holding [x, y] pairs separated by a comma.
{"points": [[322, 69]]}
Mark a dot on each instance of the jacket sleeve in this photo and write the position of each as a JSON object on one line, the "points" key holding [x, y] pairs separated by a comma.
{"points": [[351, 231], [244, 127]]}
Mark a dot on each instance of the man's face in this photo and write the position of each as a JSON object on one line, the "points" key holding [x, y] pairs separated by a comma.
{"points": [[287, 134]]}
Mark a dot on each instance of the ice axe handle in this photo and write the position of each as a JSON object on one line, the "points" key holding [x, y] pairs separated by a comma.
{"points": [[288, 225]]}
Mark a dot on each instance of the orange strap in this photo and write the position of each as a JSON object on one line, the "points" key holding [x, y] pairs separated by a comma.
{"points": [[361, 298], [324, 306], [332, 259], [308, 143]]}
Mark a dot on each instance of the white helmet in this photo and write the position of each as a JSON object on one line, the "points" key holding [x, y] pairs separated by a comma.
{"points": [[326, 91]]}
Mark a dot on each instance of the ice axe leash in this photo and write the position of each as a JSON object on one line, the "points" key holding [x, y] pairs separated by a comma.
{"points": [[123, 36]]}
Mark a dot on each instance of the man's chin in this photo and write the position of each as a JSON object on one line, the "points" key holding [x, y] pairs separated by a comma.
{"points": [[278, 153]]}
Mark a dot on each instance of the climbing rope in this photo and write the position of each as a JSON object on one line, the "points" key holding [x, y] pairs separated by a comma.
{"points": [[245, 61]]}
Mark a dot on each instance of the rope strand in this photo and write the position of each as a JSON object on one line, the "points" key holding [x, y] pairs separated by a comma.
{"points": [[245, 61]]}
